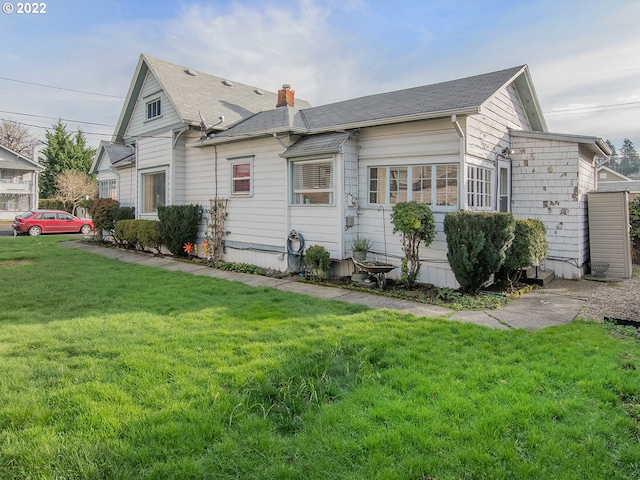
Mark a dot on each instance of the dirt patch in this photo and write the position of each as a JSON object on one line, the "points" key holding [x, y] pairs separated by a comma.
{"points": [[15, 263]]}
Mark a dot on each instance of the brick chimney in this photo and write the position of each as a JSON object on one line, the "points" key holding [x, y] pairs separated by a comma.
{"points": [[286, 96]]}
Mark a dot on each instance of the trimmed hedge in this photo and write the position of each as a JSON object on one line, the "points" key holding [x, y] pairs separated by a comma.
{"points": [[477, 245], [138, 234], [178, 226]]}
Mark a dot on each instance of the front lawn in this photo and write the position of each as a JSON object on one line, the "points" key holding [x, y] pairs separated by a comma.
{"points": [[117, 371]]}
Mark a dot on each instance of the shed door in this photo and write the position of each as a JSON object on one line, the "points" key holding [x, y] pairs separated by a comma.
{"points": [[609, 238]]}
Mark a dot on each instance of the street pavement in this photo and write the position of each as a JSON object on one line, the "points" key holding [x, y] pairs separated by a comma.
{"points": [[556, 304]]}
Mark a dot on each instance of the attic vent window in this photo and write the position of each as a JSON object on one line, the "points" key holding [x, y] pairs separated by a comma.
{"points": [[258, 91], [227, 83], [188, 71]]}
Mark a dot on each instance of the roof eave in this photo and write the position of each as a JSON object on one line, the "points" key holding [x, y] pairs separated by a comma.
{"points": [[400, 119]]}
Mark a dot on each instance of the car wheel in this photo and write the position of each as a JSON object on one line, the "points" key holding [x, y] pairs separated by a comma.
{"points": [[35, 231], [85, 229]]}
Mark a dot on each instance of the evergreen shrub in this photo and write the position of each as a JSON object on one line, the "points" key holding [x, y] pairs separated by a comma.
{"points": [[529, 248], [417, 225], [178, 226], [477, 245], [139, 234]]}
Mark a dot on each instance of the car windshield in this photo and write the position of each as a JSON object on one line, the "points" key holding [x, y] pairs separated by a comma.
{"points": [[25, 215]]}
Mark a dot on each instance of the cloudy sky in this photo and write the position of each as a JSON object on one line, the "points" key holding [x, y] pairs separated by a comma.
{"points": [[75, 61]]}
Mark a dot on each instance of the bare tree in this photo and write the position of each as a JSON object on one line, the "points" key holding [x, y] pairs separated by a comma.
{"points": [[74, 186], [16, 137]]}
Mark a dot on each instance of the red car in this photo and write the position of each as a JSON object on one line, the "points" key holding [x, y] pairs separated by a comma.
{"points": [[50, 221]]}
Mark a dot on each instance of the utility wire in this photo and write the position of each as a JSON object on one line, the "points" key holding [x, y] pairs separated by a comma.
{"points": [[600, 108], [61, 88], [56, 118]]}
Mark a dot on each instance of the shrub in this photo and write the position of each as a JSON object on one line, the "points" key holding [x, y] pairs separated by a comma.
{"points": [[477, 245], [149, 234], [528, 249], [102, 211], [178, 225], [634, 221], [125, 234], [318, 259], [139, 234], [51, 204], [416, 223]]}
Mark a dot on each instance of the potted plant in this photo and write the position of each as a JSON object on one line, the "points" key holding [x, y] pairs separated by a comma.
{"points": [[360, 248], [318, 260]]}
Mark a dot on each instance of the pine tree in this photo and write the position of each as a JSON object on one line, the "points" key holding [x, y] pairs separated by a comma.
{"points": [[629, 158], [614, 160], [63, 152]]}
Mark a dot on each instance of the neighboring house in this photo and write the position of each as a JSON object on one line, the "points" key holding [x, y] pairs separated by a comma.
{"points": [[334, 172], [18, 183], [611, 181]]}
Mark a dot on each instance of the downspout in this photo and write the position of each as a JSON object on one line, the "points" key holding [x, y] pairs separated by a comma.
{"points": [[463, 155]]}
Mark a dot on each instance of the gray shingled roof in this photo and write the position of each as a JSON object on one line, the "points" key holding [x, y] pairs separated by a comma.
{"points": [[464, 95], [271, 121], [212, 96], [116, 153], [455, 95], [317, 144]]}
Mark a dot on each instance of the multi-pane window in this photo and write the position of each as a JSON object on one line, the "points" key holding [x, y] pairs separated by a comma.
{"points": [[435, 185], [241, 177], [153, 109], [479, 187], [313, 182], [153, 191], [107, 189]]}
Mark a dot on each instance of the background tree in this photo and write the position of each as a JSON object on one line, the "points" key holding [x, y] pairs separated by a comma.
{"points": [[629, 158], [614, 160], [63, 152], [74, 186], [16, 137]]}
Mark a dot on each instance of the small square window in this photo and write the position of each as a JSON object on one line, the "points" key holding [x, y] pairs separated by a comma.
{"points": [[242, 177], [154, 109]]}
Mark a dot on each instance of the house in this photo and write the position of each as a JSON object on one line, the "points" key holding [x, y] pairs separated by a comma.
{"points": [[333, 172], [611, 181], [18, 183]]}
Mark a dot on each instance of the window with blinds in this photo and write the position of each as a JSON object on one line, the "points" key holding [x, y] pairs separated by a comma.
{"points": [[313, 182]]}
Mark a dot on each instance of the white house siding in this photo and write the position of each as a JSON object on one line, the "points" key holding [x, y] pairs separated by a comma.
{"points": [[139, 124], [350, 197], [155, 154], [425, 142], [487, 132], [256, 224], [550, 179], [126, 185]]}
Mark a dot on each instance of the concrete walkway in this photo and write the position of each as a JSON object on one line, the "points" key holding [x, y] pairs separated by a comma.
{"points": [[556, 304]]}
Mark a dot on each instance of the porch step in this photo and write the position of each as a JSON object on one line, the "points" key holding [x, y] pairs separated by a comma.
{"points": [[542, 279]]}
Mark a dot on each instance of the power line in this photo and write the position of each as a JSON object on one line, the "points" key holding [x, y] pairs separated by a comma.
{"points": [[57, 118], [61, 88], [601, 108]]}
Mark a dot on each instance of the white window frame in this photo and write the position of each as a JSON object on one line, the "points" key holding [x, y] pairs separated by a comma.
{"points": [[143, 175], [405, 174], [480, 184], [233, 179], [305, 196], [153, 109], [107, 189]]}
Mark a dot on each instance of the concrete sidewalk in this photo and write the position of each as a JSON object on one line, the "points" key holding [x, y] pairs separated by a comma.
{"points": [[556, 304]]}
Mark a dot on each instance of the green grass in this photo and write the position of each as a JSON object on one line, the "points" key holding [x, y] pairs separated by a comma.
{"points": [[118, 371]]}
